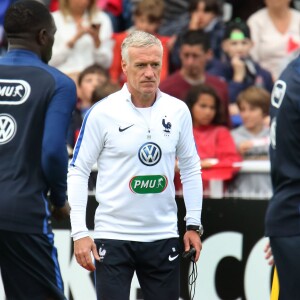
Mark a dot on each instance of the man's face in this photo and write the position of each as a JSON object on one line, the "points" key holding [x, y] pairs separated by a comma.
{"points": [[193, 60], [143, 70]]}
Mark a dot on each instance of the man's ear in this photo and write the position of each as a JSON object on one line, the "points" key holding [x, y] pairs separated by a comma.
{"points": [[123, 65], [42, 37]]}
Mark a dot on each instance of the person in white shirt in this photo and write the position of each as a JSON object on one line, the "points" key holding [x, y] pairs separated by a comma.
{"points": [[134, 136], [275, 32], [83, 37]]}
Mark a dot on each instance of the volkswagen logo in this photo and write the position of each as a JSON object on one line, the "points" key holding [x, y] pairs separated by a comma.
{"points": [[8, 128], [149, 154]]}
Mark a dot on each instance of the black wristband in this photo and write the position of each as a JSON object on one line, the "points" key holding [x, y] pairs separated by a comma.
{"points": [[198, 229]]}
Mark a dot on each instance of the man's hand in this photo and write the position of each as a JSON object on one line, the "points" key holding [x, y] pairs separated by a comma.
{"points": [[82, 250], [192, 238], [61, 213], [269, 255]]}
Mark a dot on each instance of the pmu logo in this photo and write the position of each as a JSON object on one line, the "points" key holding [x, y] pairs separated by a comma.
{"points": [[149, 154], [14, 92], [8, 128], [148, 184]]}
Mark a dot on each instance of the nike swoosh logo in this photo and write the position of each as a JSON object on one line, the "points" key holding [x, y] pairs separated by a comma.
{"points": [[171, 258], [125, 128]]}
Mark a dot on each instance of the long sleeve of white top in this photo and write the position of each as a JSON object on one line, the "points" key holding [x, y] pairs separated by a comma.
{"points": [[190, 174]]}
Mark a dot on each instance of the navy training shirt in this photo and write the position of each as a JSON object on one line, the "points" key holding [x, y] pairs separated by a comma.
{"points": [[36, 103], [283, 213]]}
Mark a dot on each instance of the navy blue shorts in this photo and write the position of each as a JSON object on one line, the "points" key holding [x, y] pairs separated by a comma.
{"points": [[286, 256], [157, 266], [29, 267]]}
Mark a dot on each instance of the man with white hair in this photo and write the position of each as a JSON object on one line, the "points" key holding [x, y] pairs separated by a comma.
{"points": [[135, 135]]}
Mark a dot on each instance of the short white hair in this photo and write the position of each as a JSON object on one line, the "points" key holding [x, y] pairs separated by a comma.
{"points": [[139, 39]]}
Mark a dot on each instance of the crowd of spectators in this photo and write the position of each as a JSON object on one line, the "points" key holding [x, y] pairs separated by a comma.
{"points": [[224, 65]]}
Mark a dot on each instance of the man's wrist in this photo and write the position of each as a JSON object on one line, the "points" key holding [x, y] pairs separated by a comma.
{"points": [[198, 228]]}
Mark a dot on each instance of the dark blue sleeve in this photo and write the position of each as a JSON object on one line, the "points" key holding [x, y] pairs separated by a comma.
{"points": [[70, 136], [215, 67], [54, 151], [268, 80], [234, 89]]}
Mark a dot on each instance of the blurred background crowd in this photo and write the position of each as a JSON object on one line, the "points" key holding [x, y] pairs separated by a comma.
{"points": [[220, 57]]}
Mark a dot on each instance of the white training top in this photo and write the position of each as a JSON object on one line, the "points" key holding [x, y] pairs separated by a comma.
{"points": [[135, 160]]}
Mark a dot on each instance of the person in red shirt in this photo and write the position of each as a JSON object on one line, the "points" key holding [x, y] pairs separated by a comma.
{"points": [[195, 53], [214, 142], [53, 5]]}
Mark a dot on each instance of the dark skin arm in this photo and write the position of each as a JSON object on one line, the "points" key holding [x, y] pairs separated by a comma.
{"points": [[61, 213]]}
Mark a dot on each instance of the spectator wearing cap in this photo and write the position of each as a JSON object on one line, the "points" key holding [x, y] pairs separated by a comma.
{"points": [[238, 68]]}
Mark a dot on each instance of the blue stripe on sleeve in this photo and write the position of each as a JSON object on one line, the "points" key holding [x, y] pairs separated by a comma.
{"points": [[47, 216], [59, 280], [80, 137]]}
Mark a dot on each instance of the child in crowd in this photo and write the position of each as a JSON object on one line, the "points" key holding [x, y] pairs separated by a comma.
{"points": [[237, 67], [88, 79], [252, 140], [147, 17], [102, 91], [205, 15], [214, 142], [93, 85]]}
